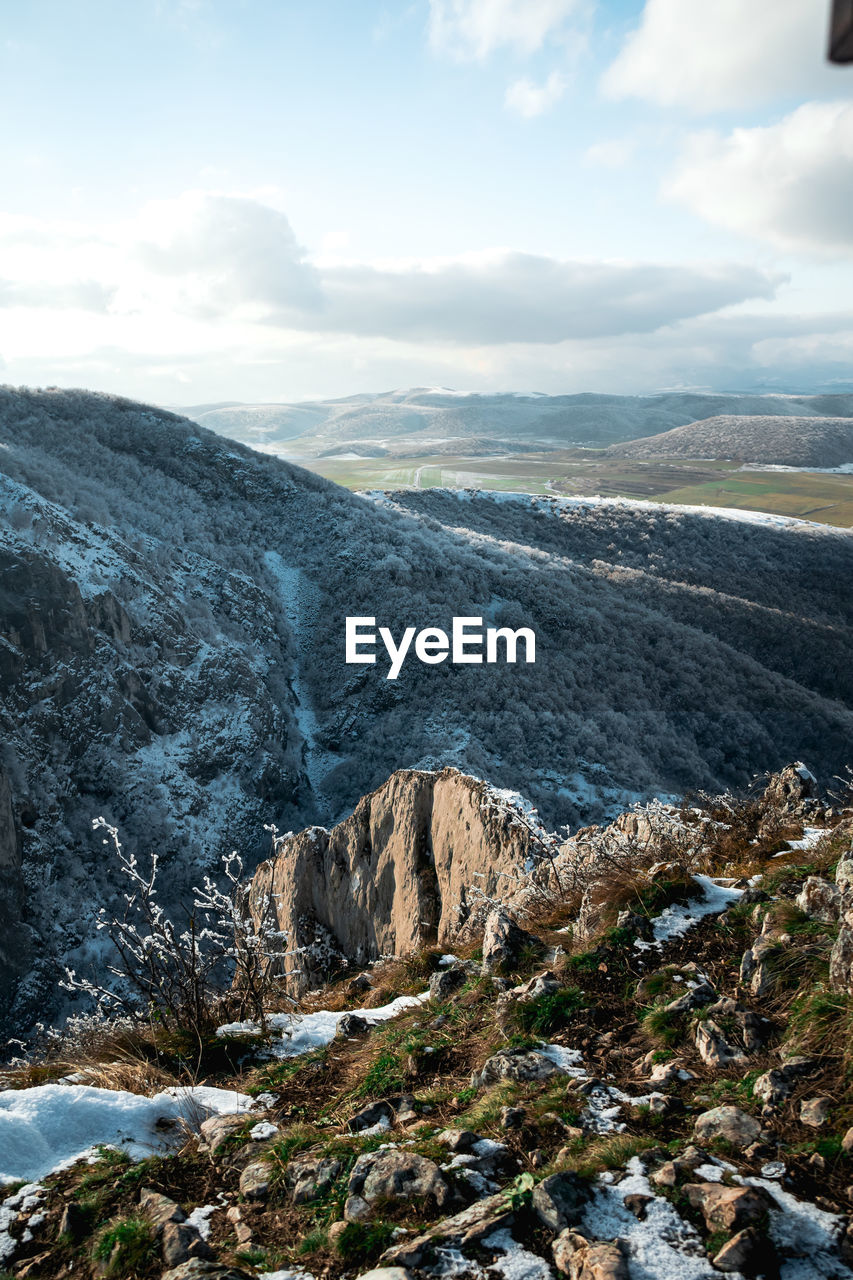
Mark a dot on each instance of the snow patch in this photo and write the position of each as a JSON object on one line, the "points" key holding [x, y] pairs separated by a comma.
{"points": [[674, 921]]}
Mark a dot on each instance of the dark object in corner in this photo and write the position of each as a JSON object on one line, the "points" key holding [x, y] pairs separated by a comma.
{"points": [[841, 31]]}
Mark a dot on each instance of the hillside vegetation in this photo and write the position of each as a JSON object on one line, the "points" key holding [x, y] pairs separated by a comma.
{"points": [[773, 439]]}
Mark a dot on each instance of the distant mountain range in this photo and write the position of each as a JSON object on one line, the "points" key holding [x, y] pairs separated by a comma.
{"points": [[772, 439], [439, 420], [172, 612]]}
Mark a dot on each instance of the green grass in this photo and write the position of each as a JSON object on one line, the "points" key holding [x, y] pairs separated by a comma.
{"points": [[361, 1243], [547, 1013], [662, 1026], [127, 1248]]}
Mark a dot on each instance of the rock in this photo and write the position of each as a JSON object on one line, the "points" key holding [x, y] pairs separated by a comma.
{"points": [[514, 1117], [714, 1048], [693, 998], [308, 1178], [198, 1269], [560, 1199], [728, 1123], [462, 1231], [815, 1111], [503, 942], [398, 1175], [458, 1140], [541, 984], [356, 1209], [159, 1209], [772, 1087], [756, 969], [841, 956], [636, 1204], [515, 1064], [847, 1142], [639, 925], [844, 872], [359, 985], [75, 1223], [745, 1252], [255, 1180], [242, 1230], [181, 1241], [667, 1073], [352, 1025], [373, 1113], [336, 1230], [787, 791], [580, 1259], [443, 984], [217, 1132], [728, 1208], [820, 899]]}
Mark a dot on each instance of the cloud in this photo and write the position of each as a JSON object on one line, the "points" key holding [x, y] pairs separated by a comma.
{"points": [[530, 99], [516, 297], [611, 153], [790, 183], [79, 295], [719, 55], [471, 30]]}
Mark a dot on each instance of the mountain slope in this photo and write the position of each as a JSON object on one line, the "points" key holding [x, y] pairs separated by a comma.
{"points": [[172, 651], [426, 417], [783, 441]]}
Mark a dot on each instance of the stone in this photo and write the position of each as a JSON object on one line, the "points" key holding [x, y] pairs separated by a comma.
{"points": [[515, 1064], [566, 1247], [714, 1049], [844, 872], [745, 1252], [443, 984], [636, 1203], [181, 1241], [728, 1123], [787, 791], [772, 1086], [815, 1111], [841, 956], [398, 1175], [159, 1209], [75, 1223], [728, 1208], [514, 1117], [503, 942], [255, 1180], [693, 998], [820, 899], [667, 1073], [308, 1178], [847, 1142], [461, 1231], [756, 970], [218, 1131], [560, 1199], [336, 1230], [352, 1025], [199, 1269], [580, 1259], [356, 1209], [373, 1113], [460, 1141]]}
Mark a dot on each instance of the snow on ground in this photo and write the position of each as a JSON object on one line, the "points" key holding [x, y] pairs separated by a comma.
{"points": [[675, 920], [810, 837], [49, 1126], [516, 1262], [568, 1060], [804, 1231], [25, 1198], [302, 1032]]}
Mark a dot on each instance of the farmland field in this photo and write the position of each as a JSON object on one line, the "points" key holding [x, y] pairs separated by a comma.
{"points": [[809, 495]]}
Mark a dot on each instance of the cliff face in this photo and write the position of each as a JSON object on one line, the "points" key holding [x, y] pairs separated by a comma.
{"points": [[407, 868], [14, 948]]}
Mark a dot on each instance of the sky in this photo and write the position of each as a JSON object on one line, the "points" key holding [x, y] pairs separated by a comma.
{"points": [[278, 200]]}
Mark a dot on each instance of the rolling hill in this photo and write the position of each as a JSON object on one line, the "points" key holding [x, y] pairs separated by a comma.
{"points": [[771, 439]]}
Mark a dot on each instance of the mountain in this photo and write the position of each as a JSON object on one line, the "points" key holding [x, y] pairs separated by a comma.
{"points": [[767, 438], [440, 419], [172, 652]]}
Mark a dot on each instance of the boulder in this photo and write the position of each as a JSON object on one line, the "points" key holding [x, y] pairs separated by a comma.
{"points": [[386, 1273], [199, 1269], [746, 1252], [581, 1259], [772, 1087], [218, 1132], [815, 1111], [398, 1175], [515, 1064], [503, 942], [820, 899], [756, 968], [374, 1113], [255, 1180], [181, 1241], [462, 1231], [714, 1049], [560, 1199], [728, 1123], [786, 792], [308, 1178], [667, 1073], [728, 1208], [694, 998], [352, 1025], [841, 956], [159, 1209], [443, 984]]}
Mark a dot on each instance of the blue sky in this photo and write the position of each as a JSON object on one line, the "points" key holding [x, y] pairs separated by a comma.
{"points": [[280, 199]]}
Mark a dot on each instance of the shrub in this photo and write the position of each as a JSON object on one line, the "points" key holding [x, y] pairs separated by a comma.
{"points": [[127, 1248]]}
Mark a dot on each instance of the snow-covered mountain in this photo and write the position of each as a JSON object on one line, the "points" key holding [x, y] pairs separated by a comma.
{"points": [[774, 439], [439, 418], [172, 653]]}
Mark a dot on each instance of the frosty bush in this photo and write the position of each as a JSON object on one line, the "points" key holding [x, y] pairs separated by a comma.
{"points": [[184, 976]]}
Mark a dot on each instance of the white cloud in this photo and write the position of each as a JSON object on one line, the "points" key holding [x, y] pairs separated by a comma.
{"points": [[530, 99], [612, 153], [710, 55], [790, 183], [473, 29]]}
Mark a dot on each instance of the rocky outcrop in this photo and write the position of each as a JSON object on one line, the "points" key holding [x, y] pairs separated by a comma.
{"points": [[409, 867], [14, 937]]}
